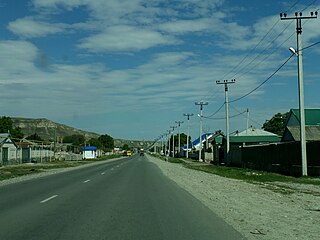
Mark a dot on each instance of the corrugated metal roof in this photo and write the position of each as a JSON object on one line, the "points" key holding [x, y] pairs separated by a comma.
{"points": [[254, 139], [312, 116], [312, 133], [254, 132]]}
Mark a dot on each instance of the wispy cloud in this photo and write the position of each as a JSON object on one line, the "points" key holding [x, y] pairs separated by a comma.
{"points": [[29, 27], [125, 38]]}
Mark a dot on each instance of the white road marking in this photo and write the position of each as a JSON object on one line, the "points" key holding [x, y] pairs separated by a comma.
{"points": [[111, 169], [86, 181], [103, 173], [48, 199]]}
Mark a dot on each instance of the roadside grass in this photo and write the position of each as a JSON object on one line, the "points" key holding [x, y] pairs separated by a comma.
{"points": [[171, 159], [253, 176], [12, 171]]}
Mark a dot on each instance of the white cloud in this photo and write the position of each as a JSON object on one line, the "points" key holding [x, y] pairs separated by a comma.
{"points": [[29, 27], [125, 38]]}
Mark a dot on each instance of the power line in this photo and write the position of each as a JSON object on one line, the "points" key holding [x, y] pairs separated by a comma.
{"points": [[278, 69], [270, 45], [217, 110], [222, 118]]}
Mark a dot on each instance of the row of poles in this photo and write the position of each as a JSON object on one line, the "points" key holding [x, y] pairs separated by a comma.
{"points": [[298, 52]]}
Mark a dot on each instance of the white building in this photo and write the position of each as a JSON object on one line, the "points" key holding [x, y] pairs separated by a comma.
{"points": [[8, 150]]}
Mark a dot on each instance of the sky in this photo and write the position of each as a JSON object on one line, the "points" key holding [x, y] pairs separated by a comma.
{"points": [[132, 68]]}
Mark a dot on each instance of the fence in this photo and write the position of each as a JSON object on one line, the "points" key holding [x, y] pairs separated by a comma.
{"points": [[283, 158]]}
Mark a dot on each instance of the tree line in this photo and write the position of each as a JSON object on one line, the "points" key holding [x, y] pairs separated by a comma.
{"points": [[104, 142]]}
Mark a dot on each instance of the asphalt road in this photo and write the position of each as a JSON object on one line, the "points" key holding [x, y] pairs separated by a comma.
{"points": [[126, 199]]}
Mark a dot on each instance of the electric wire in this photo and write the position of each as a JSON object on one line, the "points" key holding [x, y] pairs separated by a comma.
{"points": [[221, 118], [278, 69]]}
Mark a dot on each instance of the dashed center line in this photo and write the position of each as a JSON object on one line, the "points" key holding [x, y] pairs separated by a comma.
{"points": [[48, 199], [103, 173], [86, 181]]}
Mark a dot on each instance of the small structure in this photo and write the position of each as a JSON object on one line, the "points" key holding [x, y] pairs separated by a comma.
{"points": [[8, 150], [89, 152], [253, 136], [249, 137], [292, 125]]}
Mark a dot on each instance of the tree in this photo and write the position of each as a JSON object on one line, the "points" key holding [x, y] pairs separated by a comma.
{"points": [[75, 139], [35, 137], [107, 142], [95, 142], [6, 126], [276, 123], [126, 147], [183, 140]]}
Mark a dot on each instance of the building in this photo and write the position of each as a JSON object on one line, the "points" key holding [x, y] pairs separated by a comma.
{"points": [[253, 136], [89, 152], [312, 125], [8, 150]]}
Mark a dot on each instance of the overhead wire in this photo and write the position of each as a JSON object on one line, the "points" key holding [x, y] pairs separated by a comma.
{"points": [[221, 118], [269, 46], [277, 70]]}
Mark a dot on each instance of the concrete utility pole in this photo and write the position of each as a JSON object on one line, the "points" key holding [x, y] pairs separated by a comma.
{"points": [[179, 123], [188, 115], [201, 104], [169, 149], [225, 83], [298, 17], [173, 150]]}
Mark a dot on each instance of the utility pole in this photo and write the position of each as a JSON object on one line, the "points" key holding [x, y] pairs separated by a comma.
{"points": [[298, 17], [179, 122], [225, 83], [169, 149], [248, 114], [188, 115], [201, 104], [173, 150]]}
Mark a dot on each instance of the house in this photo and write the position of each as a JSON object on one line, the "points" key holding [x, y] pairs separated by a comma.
{"points": [[89, 152], [249, 137], [30, 151], [253, 136], [312, 125], [8, 150]]}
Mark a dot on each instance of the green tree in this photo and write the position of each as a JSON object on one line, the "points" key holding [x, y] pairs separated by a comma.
{"points": [[183, 140], [276, 123], [75, 139], [35, 137], [95, 142], [6, 125], [107, 142], [126, 147]]}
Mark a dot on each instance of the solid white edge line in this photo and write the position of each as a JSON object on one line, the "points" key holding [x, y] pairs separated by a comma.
{"points": [[48, 199]]}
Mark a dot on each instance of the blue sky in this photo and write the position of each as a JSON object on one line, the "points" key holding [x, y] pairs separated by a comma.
{"points": [[131, 68]]}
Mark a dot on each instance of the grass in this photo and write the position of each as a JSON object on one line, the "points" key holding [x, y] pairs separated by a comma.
{"points": [[253, 176], [7, 172]]}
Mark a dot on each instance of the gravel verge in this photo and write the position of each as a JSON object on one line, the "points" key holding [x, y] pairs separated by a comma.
{"points": [[257, 211]]}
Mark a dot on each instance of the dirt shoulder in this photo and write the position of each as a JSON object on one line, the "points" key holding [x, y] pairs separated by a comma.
{"points": [[258, 211]]}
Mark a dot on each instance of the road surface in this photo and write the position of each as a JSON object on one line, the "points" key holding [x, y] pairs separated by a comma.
{"points": [[125, 199]]}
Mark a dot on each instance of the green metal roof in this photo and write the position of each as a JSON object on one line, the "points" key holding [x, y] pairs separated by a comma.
{"points": [[254, 139], [312, 116]]}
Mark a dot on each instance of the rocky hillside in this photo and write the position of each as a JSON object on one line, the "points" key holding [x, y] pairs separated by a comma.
{"points": [[47, 129]]}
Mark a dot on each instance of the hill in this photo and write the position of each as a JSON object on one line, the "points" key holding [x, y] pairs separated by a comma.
{"points": [[47, 129]]}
